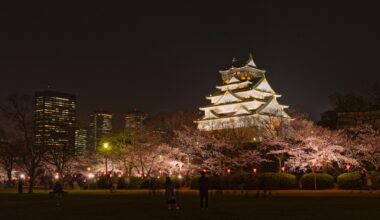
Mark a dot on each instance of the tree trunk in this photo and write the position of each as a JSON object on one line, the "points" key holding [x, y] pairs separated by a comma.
{"points": [[9, 175], [279, 164], [31, 182]]}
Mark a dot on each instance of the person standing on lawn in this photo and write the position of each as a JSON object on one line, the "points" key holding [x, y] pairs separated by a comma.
{"points": [[363, 179], [203, 189], [170, 195], [20, 186], [114, 181]]}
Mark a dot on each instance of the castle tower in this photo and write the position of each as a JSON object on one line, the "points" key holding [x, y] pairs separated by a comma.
{"points": [[244, 100]]}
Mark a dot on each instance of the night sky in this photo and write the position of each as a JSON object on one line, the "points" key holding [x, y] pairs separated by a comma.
{"points": [[166, 57]]}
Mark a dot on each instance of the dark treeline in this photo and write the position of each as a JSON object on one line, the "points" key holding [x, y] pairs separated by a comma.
{"points": [[351, 102]]}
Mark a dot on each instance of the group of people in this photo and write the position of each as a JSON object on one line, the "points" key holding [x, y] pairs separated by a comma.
{"points": [[171, 199]]}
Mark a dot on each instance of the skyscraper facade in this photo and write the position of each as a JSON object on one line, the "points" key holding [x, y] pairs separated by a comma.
{"points": [[80, 140], [134, 119], [100, 127], [55, 118]]}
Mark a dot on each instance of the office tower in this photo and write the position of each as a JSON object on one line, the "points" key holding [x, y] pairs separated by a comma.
{"points": [[100, 127], [80, 140], [55, 118], [134, 119]]}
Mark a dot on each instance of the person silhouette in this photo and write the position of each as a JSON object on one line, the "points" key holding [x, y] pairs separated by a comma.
{"points": [[20, 185], [58, 187], [170, 195], [363, 179], [203, 190]]}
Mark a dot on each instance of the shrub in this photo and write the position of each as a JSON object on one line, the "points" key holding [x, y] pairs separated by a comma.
{"points": [[324, 181], [149, 183], [277, 181], [349, 180], [102, 183], [134, 182], [91, 185], [250, 181], [194, 182], [121, 184], [375, 180], [284, 181], [230, 182]]}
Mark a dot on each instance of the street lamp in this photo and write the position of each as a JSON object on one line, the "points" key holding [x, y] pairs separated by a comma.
{"points": [[314, 161], [106, 147], [90, 176], [228, 171], [348, 167]]}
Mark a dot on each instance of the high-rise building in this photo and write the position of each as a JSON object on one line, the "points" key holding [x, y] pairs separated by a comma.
{"points": [[55, 118], [244, 100], [100, 127], [80, 140], [134, 119]]}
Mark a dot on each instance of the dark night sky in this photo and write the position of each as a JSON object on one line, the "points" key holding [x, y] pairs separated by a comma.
{"points": [[166, 57]]}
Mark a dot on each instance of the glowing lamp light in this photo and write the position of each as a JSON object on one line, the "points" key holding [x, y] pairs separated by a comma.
{"points": [[282, 168], [204, 170], [254, 170], [179, 176], [105, 145], [121, 174], [88, 168], [348, 167], [22, 176], [56, 176], [228, 170], [91, 175]]}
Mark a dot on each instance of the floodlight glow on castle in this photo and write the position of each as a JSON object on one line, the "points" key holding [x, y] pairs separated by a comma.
{"points": [[244, 100]]}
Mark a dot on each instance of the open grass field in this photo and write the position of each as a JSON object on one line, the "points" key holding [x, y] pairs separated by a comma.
{"points": [[138, 204]]}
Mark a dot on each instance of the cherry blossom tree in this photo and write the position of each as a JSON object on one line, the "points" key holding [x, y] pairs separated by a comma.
{"points": [[318, 148], [364, 145], [279, 136], [18, 110], [215, 151], [143, 153], [8, 155]]}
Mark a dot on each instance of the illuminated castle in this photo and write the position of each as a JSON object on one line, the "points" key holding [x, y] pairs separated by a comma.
{"points": [[244, 100]]}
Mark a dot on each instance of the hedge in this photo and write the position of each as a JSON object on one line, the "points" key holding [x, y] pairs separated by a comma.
{"points": [[349, 180], [324, 181], [376, 180], [251, 181], [102, 183], [149, 183]]}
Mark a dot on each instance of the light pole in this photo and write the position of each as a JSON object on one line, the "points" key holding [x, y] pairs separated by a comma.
{"points": [[106, 147], [90, 176], [314, 161], [348, 168]]}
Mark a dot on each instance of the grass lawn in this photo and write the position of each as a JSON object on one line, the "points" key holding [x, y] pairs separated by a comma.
{"points": [[128, 204]]}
